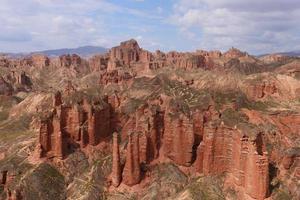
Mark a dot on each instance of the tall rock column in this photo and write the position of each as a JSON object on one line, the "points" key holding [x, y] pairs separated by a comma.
{"points": [[116, 167], [256, 172], [132, 171], [183, 142], [59, 143], [168, 134], [208, 156]]}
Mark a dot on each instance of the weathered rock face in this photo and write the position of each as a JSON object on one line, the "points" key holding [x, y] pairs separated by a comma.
{"points": [[185, 60], [115, 76], [225, 150], [130, 54], [234, 53], [116, 165], [98, 62], [261, 90], [274, 58], [70, 60], [126, 53], [15, 82], [179, 138], [5, 88], [3, 177], [23, 79], [132, 169], [198, 141], [4, 62], [40, 60], [70, 126]]}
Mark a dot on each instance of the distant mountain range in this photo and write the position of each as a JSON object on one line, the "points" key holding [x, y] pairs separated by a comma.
{"points": [[84, 51], [291, 53], [288, 53]]}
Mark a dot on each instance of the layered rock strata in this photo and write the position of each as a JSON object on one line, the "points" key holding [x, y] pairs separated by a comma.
{"points": [[116, 166], [69, 126], [132, 169]]}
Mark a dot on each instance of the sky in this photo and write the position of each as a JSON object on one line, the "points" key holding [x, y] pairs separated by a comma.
{"points": [[255, 26]]}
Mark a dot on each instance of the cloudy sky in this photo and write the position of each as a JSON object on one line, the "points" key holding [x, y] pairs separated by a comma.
{"points": [[256, 26]]}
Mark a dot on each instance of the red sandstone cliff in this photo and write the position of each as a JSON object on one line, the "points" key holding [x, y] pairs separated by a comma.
{"points": [[132, 168], [67, 125]]}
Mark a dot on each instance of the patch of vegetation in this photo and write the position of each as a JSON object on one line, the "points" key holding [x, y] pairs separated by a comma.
{"points": [[168, 180], [231, 193], [282, 194], [44, 182], [6, 102], [297, 75], [232, 117], [132, 105], [4, 115], [249, 129], [15, 163], [206, 188], [13, 128]]}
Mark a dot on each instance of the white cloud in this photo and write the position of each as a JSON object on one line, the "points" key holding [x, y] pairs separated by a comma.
{"points": [[254, 25], [43, 24]]}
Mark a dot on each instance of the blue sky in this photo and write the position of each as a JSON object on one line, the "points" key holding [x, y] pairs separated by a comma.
{"points": [[256, 26]]}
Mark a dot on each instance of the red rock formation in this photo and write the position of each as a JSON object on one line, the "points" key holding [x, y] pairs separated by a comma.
{"points": [[57, 99], [116, 166], [132, 170], [179, 138], [98, 62], [67, 125], [115, 76], [148, 120], [40, 60], [274, 58], [290, 157], [4, 62], [185, 60], [130, 54], [126, 53], [5, 87], [3, 177], [225, 150], [69, 89], [261, 90], [234, 53], [70, 60]]}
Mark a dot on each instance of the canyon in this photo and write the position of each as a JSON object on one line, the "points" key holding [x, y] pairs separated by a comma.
{"points": [[135, 124]]}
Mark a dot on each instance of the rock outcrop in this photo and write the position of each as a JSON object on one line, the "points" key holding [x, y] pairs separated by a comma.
{"points": [[126, 53], [197, 141], [116, 165], [261, 90], [5, 87], [70, 126], [40, 61], [98, 62], [226, 150], [115, 76], [70, 60], [132, 168], [234, 53], [179, 138]]}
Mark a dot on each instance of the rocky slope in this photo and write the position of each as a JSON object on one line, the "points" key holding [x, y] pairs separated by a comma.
{"points": [[133, 124]]}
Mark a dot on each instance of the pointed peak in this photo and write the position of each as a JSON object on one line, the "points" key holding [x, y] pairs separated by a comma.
{"points": [[132, 43]]}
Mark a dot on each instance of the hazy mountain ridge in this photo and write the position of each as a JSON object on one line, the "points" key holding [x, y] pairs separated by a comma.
{"points": [[84, 51], [295, 53]]}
